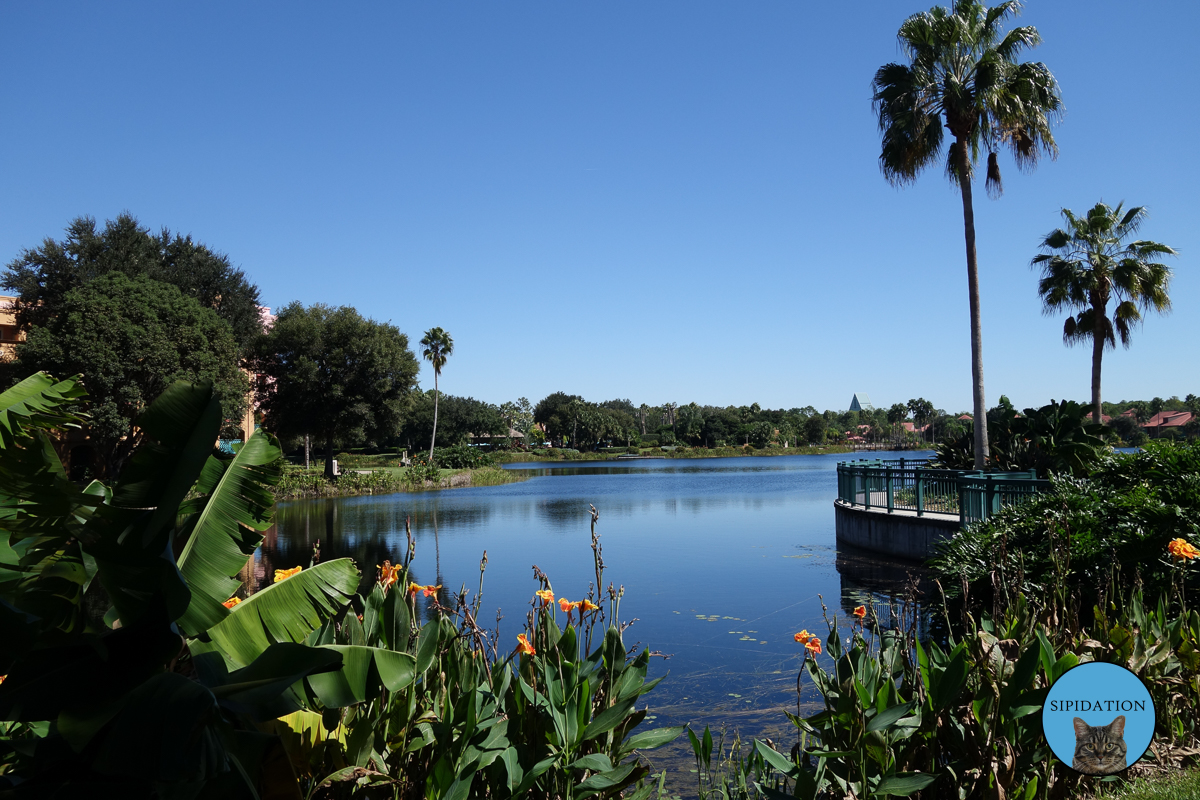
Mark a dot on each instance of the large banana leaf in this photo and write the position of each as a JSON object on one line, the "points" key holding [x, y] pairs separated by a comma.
{"points": [[130, 535], [38, 402], [234, 505], [178, 430], [287, 611]]}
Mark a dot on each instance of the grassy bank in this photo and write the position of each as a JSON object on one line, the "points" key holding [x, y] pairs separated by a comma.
{"points": [[298, 483]]}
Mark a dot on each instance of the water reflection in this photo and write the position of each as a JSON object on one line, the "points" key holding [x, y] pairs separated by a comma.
{"points": [[722, 561]]}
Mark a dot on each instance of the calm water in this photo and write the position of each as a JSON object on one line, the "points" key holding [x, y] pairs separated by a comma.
{"points": [[722, 560]]}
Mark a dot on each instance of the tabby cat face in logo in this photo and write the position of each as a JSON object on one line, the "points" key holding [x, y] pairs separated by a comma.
{"points": [[1099, 749]]}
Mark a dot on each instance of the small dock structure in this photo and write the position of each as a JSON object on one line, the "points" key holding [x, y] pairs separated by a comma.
{"points": [[903, 507]]}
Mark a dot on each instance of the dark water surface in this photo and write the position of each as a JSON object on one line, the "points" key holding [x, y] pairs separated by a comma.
{"points": [[722, 561]]}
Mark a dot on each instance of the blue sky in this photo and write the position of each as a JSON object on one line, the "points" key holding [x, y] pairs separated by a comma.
{"points": [[665, 201]]}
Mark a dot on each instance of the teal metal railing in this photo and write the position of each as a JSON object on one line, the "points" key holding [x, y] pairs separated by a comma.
{"points": [[911, 485]]}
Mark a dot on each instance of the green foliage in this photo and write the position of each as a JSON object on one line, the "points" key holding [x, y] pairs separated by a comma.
{"points": [[907, 718], [131, 337], [458, 418], [462, 457], [1056, 439], [435, 709], [332, 373], [90, 708], [1071, 538], [42, 277]]}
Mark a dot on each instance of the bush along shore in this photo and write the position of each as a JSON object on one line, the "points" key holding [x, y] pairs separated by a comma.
{"points": [[298, 484]]}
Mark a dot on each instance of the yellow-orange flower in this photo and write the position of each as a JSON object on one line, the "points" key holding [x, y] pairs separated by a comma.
{"points": [[565, 604], [802, 636], [1182, 550], [546, 595], [2, 677], [587, 605], [431, 590], [413, 588], [860, 612], [284, 574], [388, 574], [231, 602], [813, 646], [524, 646]]}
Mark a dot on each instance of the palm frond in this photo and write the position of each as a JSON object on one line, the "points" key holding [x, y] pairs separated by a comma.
{"points": [[995, 185], [1125, 317]]}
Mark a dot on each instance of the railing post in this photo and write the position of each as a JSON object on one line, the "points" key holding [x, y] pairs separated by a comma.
{"points": [[990, 497], [920, 493], [890, 498], [866, 489]]}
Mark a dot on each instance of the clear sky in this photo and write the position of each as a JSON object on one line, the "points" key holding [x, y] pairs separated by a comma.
{"points": [[665, 201]]}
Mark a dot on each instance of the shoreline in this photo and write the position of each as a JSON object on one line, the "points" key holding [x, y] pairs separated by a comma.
{"points": [[354, 483]]}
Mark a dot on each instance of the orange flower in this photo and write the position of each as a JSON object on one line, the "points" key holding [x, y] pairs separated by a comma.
{"points": [[431, 590], [860, 612], [388, 574], [802, 636], [524, 646], [566, 605], [284, 574], [1182, 550], [587, 605], [813, 646], [413, 588], [546, 595], [231, 602]]}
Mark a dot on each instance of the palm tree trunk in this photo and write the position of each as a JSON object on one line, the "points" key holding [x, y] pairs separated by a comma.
{"points": [[1097, 356], [980, 406], [433, 438]]}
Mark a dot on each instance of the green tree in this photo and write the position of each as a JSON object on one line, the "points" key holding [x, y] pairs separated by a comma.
{"points": [[458, 419], [331, 372], [132, 337], [436, 347], [815, 428], [553, 411], [963, 76], [41, 277], [1088, 263]]}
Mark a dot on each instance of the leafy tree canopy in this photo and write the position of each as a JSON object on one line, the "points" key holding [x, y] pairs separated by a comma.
{"points": [[43, 276], [131, 338], [458, 417], [329, 371]]}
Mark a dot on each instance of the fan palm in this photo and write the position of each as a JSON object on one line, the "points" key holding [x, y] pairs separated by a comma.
{"points": [[1087, 264], [436, 347], [963, 76]]}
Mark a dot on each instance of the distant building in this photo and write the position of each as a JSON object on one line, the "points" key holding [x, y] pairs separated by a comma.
{"points": [[10, 334], [1167, 419], [860, 402]]}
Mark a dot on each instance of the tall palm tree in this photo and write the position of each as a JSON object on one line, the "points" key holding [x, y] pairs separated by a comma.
{"points": [[436, 347], [1088, 263], [963, 76]]}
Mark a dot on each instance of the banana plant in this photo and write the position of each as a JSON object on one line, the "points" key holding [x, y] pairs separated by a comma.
{"points": [[89, 706]]}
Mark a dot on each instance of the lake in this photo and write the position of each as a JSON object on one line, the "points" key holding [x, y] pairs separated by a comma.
{"points": [[722, 561]]}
